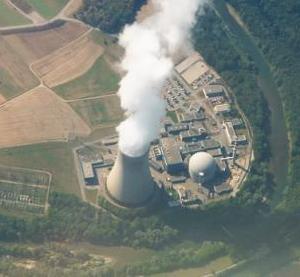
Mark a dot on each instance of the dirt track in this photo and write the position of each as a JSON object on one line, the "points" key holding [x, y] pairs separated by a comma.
{"points": [[38, 116]]}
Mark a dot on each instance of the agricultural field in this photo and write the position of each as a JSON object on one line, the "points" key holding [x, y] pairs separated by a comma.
{"points": [[23, 190], [69, 62], [99, 112], [55, 158], [48, 8], [99, 80], [39, 116], [15, 74], [8, 88], [10, 17]]}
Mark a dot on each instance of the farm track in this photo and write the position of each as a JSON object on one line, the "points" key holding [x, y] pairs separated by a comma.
{"points": [[111, 94]]}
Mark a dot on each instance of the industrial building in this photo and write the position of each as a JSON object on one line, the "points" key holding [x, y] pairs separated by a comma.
{"points": [[172, 159], [222, 109], [193, 135], [237, 123], [185, 64], [89, 167], [232, 137], [202, 168], [191, 117], [177, 128], [89, 174], [213, 91]]}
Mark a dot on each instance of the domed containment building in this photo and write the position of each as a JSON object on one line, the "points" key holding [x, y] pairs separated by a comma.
{"points": [[202, 167]]}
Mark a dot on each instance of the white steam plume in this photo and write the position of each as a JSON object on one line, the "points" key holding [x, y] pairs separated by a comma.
{"points": [[149, 47]]}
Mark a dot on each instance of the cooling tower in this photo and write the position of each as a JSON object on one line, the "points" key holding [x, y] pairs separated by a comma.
{"points": [[130, 182]]}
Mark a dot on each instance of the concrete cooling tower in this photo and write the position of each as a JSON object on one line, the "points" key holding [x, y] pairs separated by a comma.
{"points": [[130, 183]]}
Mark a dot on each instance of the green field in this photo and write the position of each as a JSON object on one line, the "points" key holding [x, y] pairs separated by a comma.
{"points": [[99, 111], [10, 17], [99, 80], [91, 195], [48, 8], [56, 158]]}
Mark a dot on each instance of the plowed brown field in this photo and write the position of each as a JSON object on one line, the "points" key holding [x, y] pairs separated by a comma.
{"points": [[39, 116], [69, 62]]}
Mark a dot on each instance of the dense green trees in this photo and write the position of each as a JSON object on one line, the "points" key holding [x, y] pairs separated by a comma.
{"points": [[220, 49], [109, 15], [275, 27], [71, 219]]}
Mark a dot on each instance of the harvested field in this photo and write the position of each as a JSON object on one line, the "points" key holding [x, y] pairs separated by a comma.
{"points": [[2, 99], [10, 17], [100, 112], [146, 11], [8, 87], [13, 65], [32, 46], [38, 116], [99, 80], [69, 62]]}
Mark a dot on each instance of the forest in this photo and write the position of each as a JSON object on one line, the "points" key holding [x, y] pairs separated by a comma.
{"points": [[109, 15], [213, 41], [275, 27]]}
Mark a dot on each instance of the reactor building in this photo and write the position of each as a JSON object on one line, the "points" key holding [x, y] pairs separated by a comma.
{"points": [[130, 183], [202, 167]]}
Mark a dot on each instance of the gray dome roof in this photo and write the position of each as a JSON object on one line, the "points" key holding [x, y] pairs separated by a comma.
{"points": [[202, 167]]}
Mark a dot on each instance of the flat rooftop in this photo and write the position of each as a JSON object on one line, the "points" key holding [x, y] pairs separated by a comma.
{"points": [[185, 64], [171, 151], [193, 73]]}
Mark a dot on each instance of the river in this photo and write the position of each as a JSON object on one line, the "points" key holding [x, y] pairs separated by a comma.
{"points": [[279, 142]]}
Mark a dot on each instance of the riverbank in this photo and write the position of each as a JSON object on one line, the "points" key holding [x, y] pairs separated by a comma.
{"points": [[278, 137]]}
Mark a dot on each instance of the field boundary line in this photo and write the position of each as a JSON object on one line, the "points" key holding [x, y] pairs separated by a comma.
{"points": [[63, 47], [111, 94]]}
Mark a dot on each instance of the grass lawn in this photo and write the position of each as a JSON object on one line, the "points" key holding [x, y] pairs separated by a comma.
{"points": [[99, 111], [91, 195], [99, 80], [56, 158], [10, 17], [173, 116], [48, 8], [8, 87]]}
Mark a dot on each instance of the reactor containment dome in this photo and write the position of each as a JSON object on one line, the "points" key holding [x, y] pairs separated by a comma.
{"points": [[130, 183], [202, 167]]}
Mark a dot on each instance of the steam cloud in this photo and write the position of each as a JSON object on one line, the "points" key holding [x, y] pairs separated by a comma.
{"points": [[149, 47]]}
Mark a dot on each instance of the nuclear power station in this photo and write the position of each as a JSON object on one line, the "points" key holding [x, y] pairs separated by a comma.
{"points": [[130, 183]]}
